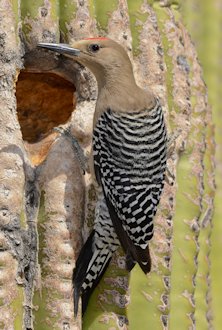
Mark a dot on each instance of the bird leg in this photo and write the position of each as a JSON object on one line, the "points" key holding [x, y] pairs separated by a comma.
{"points": [[78, 151], [171, 146], [171, 142], [169, 177]]}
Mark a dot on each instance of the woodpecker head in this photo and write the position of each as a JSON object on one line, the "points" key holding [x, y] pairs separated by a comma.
{"points": [[111, 66], [103, 56]]}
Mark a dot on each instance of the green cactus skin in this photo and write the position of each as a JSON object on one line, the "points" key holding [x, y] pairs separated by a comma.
{"points": [[177, 293], [203, 19]]}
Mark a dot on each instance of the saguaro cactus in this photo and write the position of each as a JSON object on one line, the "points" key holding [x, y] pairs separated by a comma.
{"points": [[47, 204], [203, 20]]}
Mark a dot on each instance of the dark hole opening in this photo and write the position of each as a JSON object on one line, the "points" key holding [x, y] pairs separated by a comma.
{"points": [[44, 101]]}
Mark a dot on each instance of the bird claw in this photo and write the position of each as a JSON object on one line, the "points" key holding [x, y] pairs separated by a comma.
{"points": [[171, 146], [169, 177], [83, 160], [171, 142]]}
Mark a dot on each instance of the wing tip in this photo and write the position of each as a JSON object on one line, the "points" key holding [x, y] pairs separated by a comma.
{"points": [[76, 297], [145, 266], [130, 263], [144, 259]]}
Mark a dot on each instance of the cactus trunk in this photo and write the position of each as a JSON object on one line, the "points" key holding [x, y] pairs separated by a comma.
{"points": [[47, 205], [205, 29]]}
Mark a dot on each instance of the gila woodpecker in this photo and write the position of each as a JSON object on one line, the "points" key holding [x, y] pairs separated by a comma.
{"points": [[129, 162]]}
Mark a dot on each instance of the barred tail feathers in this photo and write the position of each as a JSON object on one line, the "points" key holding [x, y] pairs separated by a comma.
{"points": [[90, 267]]}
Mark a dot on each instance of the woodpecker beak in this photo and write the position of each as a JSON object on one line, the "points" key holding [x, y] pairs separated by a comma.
{"points": [[60, 48]]}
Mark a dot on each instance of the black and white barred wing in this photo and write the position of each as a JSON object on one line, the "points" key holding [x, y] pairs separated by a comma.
{"points": [[130, 161]]}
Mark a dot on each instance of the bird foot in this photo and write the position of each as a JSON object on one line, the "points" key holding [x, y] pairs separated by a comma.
{"points": [[171, 146], [82, 158], [171, 142], [169, 177]]}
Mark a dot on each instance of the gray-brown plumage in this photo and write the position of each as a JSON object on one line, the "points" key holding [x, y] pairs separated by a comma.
{"points": [[128, 161]]}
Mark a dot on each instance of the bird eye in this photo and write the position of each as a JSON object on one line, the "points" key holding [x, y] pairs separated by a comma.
{"points": [[94, 48]]}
